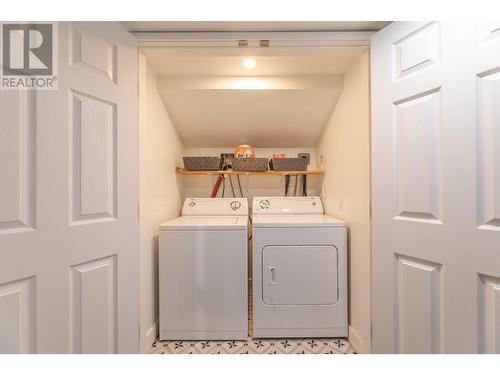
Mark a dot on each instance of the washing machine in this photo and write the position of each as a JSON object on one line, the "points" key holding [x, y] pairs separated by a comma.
{"points": [[299, 269], [203, 271]]}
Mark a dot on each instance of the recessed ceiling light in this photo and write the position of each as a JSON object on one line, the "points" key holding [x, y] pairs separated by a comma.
{"points": [[249, 63]]}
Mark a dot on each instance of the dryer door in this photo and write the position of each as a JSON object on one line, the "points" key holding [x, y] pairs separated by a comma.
{"points": [[300, 275]]}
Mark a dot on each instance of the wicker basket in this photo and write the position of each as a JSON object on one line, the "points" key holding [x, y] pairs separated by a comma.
{"points": [[249, 164], [202, 163], [288, 164]]}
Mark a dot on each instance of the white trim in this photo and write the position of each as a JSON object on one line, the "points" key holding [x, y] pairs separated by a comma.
{"points": [[357, 343], [230, 39], [150, 338]]}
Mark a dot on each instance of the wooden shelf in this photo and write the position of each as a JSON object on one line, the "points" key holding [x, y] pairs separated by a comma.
{"points": [[266, 173]]}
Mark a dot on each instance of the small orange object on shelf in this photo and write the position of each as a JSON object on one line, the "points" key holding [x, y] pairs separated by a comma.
{"points": [[244, 151]]}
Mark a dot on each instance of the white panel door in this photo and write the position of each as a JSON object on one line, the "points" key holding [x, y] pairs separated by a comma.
{"points": [[436, 188], [68, 201]]}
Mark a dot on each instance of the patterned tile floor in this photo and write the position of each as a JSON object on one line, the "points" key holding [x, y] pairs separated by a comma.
{"points": [[255, 346]]}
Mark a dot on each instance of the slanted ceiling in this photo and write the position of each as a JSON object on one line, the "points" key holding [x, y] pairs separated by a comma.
{"points": [[285, 101]]}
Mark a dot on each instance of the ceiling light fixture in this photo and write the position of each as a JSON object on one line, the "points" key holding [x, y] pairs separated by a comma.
{"points": [[249, 63]]}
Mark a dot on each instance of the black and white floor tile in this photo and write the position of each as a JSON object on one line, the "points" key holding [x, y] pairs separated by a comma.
{"points": [[255, 346]]}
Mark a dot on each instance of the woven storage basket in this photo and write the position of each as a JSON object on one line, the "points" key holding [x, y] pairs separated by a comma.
{"points": [[288, 164], [201, 163], [249, 164]]}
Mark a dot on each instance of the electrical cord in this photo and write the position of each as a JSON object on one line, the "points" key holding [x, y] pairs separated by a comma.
{"points": [[216, 187], [239, 185], [232, 187]]}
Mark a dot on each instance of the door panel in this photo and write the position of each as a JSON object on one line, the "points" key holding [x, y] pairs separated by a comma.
{"points": [[488, 116], [69, 238], [94, 53], [416, 51], [17, 307], [418, 303], [435, 132], [489, 309], [417, 172], [94, 157], [17, 152], [94, 306]]}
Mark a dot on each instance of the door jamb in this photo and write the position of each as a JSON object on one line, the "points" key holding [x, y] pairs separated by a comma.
{"points": [[288, 39], [253, 41]]}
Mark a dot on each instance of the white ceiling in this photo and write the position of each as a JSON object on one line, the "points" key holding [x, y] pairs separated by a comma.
{"points": [[284, 102], [228, 62], [214, 26]]}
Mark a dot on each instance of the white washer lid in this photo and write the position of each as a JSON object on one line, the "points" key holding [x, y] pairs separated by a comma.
{"points": [[206, 223], [297, 221]]}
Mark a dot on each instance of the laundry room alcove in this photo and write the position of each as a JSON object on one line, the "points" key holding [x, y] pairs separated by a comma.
{"points": [[304, 95]]}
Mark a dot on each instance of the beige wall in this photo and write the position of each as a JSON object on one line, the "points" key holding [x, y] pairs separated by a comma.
{"points": [[201, 186], [160, 188], [345, 150]]}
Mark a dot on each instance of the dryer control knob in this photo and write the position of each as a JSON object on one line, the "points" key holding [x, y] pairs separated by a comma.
{"points": [[264, 204]]}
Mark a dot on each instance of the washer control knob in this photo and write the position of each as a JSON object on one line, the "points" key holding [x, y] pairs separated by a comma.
{"points": [[235, 205]]}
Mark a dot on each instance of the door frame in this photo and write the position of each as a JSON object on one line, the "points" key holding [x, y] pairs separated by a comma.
{"points": [[247, 39], [251, 41]]}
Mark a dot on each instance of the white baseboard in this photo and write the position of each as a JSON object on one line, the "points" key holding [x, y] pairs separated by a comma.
{"points": [[359, 345], [150, 338]]}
